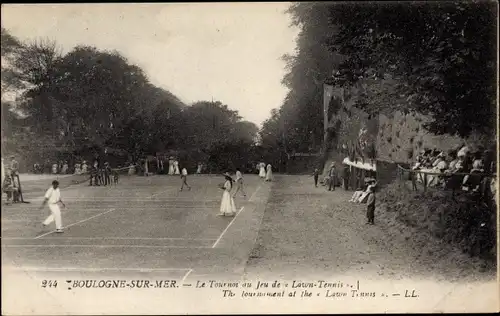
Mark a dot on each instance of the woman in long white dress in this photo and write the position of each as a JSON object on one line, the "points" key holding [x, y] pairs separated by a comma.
{"points": [[131, 169], [171, 166], [176, 167], [65, 168], [262, 172], [3, 172], [78, 169], [227, 206], [85, 167], [269, 174]]}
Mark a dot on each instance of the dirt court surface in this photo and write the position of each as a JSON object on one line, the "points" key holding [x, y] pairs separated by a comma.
{"points": [[286, 228], [145, 230], [142, 225]]}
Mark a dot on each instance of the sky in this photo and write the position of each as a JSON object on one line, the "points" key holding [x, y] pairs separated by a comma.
{"points": [[226, 51]]}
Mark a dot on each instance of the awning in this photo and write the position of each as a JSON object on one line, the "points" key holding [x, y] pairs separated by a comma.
{"points": [[360, 165]]}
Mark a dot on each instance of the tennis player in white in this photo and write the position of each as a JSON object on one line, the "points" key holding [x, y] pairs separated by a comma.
{"points": [[53, 198], [239, 183]]}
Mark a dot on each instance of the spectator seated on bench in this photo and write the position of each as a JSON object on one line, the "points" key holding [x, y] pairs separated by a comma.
{"points": [[472, 182], [361, 195], [10, 188]]}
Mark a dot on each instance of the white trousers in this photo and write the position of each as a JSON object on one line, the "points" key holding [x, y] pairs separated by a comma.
{"points": [[55, 215]]}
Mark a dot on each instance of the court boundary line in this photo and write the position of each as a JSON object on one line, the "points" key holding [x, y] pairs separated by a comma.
{"points": [[109, 238], [125, 208], [186, 275], [79, 269], [79, 222], [227, 227], [100, 246], [97, 200], [234, 218]]}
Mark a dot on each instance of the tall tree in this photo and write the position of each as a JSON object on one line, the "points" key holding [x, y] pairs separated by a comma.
{"points": [[89, 99], [438, 59], [10, 50]]}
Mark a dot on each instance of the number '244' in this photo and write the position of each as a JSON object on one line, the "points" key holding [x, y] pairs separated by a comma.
{"points": [[49, 283]]}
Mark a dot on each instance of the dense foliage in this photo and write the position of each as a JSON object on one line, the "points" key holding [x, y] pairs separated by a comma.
{"points": [[88, 100], [433, 58]]}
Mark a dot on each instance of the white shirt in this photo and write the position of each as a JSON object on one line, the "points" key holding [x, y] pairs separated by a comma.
{"points": [[477, 164], [238, 175], [184, 172], [463, 151], [442, 165], [53, 195]]}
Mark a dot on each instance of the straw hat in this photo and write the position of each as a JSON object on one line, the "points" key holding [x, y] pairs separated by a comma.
{"points": [[369, 180]]}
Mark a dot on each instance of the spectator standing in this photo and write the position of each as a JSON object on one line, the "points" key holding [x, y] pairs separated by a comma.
{"points": [[345, 177], [370, 205], [332, 175], [85, 167], [8, 185], [65, 168], [316, 176], [14, 166], [269, 173], [54, 168], [107, 173]]}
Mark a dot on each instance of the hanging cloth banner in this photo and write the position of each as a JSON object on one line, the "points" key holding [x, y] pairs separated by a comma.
{"points": [[327, 97]]}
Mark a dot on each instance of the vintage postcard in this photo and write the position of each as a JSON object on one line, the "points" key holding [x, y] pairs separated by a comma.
{"points": [[249, 158]]}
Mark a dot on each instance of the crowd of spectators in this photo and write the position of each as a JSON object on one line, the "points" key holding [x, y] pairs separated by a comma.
{"points": [[460, 168]]}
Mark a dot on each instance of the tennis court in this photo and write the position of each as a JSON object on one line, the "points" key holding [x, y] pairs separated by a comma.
{"points": [[143, 225]]}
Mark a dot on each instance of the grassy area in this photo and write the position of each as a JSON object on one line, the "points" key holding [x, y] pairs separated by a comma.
{"points": [[438, 223]]}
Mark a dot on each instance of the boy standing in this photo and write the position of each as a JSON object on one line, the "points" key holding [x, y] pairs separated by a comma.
{"points": [[332, 174], [316, 176], [370, 205], [52, 198]]}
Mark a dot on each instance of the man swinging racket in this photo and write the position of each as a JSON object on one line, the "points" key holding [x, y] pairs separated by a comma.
{"points": [[53, 198]]}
